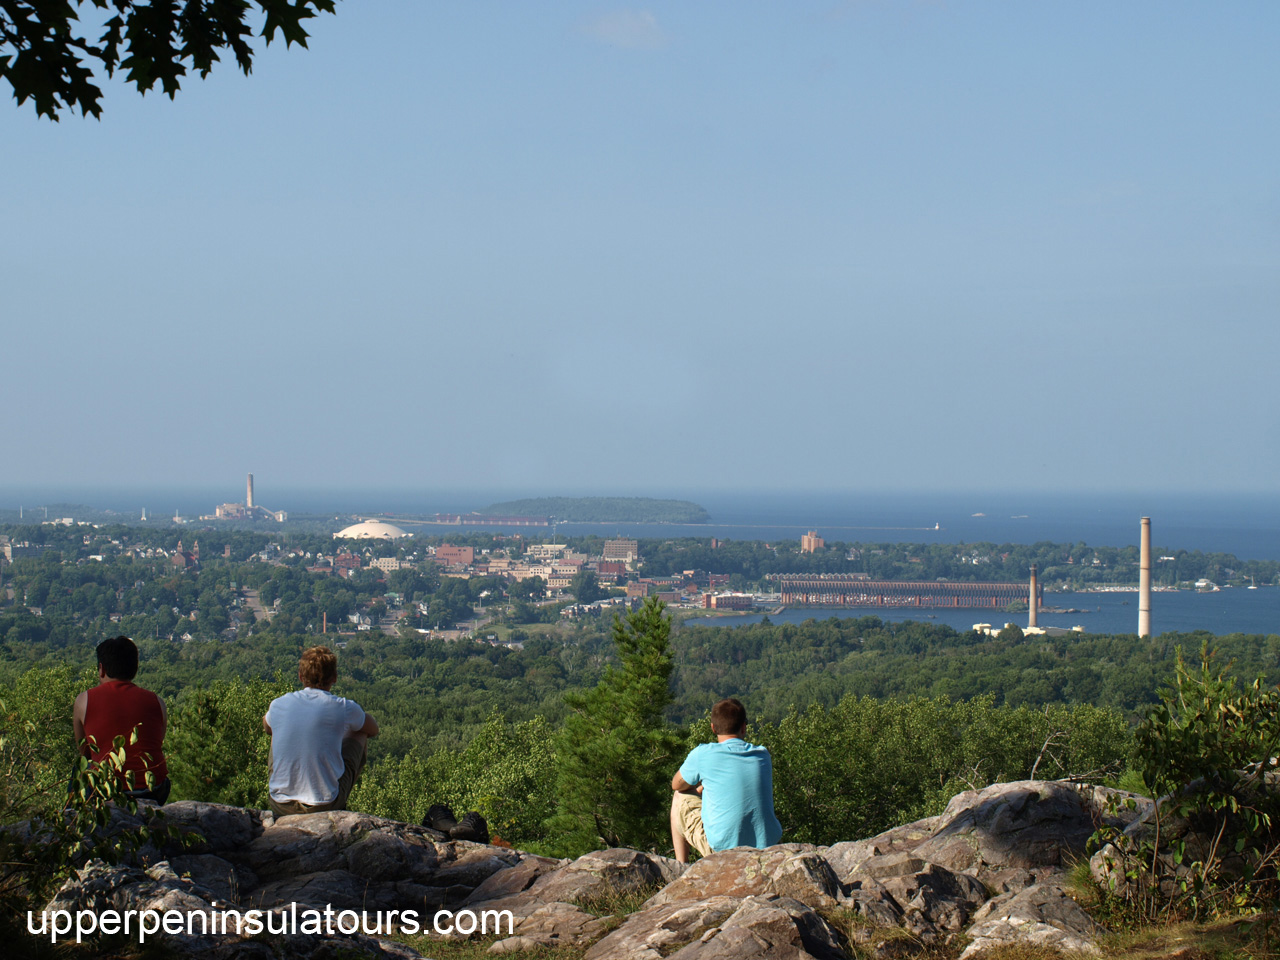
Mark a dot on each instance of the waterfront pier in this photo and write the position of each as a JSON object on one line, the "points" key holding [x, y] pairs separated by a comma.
{"points": [[853, 590]]}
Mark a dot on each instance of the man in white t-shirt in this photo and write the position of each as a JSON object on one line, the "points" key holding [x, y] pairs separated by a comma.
{"points": [[318, 741]]}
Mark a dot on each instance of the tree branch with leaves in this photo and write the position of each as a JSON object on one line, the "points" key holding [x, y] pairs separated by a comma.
{"points": [[46, 56]]}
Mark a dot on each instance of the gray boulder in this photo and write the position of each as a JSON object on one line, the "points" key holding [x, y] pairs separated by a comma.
{"points": [[218, 879], [1042, 915], [339, 888], [846, 856], [869, 898], [598, 875], [1028, 824], [535, 924], [223, 828], [655, 932], [341, 840], [788, 870], [935, 900], [767, 928], [514, 880], [1009, 835], [721, 927]]}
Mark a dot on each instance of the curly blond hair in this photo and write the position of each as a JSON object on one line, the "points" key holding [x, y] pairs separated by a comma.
{"points": [[318, 667]]}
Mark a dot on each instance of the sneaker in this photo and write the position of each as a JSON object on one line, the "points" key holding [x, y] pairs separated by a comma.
{"points": [[471, 827], [441, 818]]}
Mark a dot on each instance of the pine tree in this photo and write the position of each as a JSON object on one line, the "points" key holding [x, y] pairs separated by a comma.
{"points": [[617, 752]]}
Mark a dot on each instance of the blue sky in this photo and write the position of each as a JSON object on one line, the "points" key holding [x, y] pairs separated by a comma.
{"points": [[580, 247]]}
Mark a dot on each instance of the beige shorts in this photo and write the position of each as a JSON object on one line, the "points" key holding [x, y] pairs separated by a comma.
{"points": [[689, 810], [353, 756]]}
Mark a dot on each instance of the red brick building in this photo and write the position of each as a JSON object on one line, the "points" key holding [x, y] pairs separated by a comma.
{"points": [[446, 553]]}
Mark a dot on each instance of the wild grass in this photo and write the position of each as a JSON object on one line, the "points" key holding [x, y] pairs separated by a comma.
{"points": [[863, 940], [617, 903]]}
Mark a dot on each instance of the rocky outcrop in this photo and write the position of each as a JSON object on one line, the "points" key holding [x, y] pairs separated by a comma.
{"points": [[721, 927], [788, 870], [1043, 915], [991, 867]]}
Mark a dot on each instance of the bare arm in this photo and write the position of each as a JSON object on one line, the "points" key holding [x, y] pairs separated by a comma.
{"points": [[77, 722], [370, 728], [680, 785], [266, 726]]}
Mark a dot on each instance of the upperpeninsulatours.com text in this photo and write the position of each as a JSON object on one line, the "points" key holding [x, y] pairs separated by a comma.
{"points": [[285, 920]]}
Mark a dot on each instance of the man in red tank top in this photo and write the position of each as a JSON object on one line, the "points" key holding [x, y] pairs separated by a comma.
{"points": [[116, 707]]}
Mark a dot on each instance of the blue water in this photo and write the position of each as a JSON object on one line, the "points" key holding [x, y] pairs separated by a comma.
{"points": [[1231, 610], [1245, 525]]}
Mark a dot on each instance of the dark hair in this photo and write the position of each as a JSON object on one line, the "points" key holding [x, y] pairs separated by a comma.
{"points": [[119, 658], [318, 667], [729, 717]]}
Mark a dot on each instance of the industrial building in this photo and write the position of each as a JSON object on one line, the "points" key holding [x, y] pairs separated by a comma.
{"points": [[249, 510]]}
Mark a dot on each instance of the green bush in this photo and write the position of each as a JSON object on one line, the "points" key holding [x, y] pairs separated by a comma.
{"points": [[216, 746], [37, 751], [867, 765], [1207, 753], [507, 772]]}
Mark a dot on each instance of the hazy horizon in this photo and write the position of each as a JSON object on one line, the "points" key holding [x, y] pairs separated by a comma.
{"points": [[47, 493]]}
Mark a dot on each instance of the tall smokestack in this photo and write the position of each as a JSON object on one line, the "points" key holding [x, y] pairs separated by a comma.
{"points": [[248, 495], [1034, 604], [1144, 580]]}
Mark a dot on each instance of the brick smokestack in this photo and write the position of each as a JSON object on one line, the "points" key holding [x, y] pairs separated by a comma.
{"points": [[1144, 580], [248, 493], [1033, 608]]}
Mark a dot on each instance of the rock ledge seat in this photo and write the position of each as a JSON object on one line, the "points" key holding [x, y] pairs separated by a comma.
{"points": [[992, 866]]}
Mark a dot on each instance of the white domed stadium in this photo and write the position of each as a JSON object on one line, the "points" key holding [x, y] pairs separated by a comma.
{"points": [[371, 530]]}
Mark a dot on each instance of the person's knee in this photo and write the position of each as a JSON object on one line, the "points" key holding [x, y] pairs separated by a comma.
{"points": [[355, 746], [354, 754]]}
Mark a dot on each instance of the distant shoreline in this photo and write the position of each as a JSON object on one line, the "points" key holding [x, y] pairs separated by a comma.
{"points": [[600, 510]]}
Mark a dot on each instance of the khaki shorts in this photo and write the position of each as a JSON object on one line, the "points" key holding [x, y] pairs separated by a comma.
{"points": [[689, 810], [353, 755]]}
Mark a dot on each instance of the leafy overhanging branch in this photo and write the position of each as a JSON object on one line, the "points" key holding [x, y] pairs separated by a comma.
{"points": [[46, 57]]}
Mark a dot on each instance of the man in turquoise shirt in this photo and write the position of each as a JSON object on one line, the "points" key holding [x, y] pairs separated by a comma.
{"points": [[724, 791]]}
